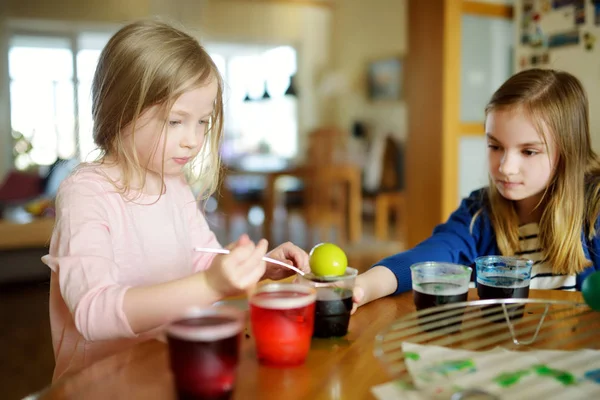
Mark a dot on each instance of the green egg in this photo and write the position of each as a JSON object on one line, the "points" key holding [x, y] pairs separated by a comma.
{"points": [[590, 289], [327, 259]]}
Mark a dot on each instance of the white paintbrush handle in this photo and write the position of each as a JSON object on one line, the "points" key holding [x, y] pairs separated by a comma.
{"points": [[267, 259]]}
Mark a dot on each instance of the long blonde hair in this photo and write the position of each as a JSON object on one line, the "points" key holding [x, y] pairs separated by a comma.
{"points": [[150, 63], [557, 105]]}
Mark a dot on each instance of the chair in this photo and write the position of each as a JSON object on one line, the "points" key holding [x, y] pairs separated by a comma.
{"points": [[384, 203], [332, 200], [331, 187], [236, 196], [325, 205], [327, 146], [390, 196]]}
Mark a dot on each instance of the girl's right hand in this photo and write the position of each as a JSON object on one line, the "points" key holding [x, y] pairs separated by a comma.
{"points": [[242, 268]]}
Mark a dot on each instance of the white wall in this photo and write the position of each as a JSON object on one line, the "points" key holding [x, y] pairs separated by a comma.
{"points": [[472, 164], [306, 28], [574, 59], [365, 31]]}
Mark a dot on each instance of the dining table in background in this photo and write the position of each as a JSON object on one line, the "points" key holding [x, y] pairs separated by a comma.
{"points": [[351, 174]]}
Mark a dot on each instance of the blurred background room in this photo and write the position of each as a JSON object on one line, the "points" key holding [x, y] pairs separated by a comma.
{"points": [[358, 122]]}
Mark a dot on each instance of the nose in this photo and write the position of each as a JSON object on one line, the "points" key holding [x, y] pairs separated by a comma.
{"points": [[509, 165], [189, 139]]}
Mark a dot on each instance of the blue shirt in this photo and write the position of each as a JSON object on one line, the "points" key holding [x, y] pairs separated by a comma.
{"points": [[453, 241]]}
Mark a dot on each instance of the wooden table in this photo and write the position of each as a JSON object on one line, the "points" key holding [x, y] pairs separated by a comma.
{"points": [[335, 369]]}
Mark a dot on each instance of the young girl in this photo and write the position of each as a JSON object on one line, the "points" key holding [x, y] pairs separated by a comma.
{"points": [[543, 197], [121, 252]]}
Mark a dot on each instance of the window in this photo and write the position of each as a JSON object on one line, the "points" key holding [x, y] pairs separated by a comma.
{"points": [[50, 93], [50, 96], [255, 124]]}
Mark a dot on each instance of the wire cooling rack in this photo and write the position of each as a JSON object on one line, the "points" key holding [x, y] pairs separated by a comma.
{"points": [[486, 324]]}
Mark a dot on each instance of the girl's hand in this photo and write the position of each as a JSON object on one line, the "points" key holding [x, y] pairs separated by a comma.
{"points": [[357, 298], [242, 268], [288, 253]]}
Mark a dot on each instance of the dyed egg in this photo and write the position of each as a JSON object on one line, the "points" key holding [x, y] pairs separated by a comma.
{"points": [[590, 289], [327, 259]]}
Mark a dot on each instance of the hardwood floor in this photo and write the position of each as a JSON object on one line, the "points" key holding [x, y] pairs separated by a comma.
{"points": [[27, 360]]}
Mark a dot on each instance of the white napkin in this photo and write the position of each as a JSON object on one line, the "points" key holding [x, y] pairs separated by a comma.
{"points": [[438, 372]]}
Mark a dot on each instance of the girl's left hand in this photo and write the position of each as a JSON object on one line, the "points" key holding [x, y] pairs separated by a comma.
{"points": [[288, 253]]}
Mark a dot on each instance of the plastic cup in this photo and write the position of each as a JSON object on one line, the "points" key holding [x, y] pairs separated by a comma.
{"points": [[500, 277], [282, 317], [439, 283], [204, 351], [334, 302]]}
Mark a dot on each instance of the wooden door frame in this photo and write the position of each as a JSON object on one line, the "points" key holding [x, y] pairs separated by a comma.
{"points": [[432, 96], [454, 128], [487, 9]]}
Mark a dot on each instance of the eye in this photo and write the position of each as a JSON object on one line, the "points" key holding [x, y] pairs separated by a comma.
{"points": [[492, 146], [530, 152], [203, 122], [174, 122]]}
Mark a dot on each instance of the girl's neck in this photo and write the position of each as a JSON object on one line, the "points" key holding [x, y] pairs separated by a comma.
{"points": [[153, 184], [529, 210]]}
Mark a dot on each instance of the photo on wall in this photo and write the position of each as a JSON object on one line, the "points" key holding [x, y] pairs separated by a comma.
{"points": [[564, 3], [564, 39], [384, 79], [580, 12]]}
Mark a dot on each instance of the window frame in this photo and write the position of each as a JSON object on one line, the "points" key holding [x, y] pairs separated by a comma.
{"points": [[71, 31]]}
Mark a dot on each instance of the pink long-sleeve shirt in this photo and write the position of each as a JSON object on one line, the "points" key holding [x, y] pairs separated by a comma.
{"points": [[102, 245]]}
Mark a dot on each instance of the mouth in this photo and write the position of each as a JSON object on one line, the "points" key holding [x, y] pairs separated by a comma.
{"points": [[181, 160], [508, 184]]}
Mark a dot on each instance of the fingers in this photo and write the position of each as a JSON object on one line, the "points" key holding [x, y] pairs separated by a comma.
{"points": [[293, 253], [264, 244], [239, 270], [245, 250], [258, 254], [255, 262], [302, 260], [243, 240], [305, 266], [357, 298], [247, 266], [251, 277], [247, 258], [358, 294]]}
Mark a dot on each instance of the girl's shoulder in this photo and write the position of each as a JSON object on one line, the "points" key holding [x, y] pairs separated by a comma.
{"points": [[86, 178], [474, 210], [477, 200]]}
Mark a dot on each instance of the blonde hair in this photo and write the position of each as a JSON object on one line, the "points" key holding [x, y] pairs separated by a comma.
{"points": [[145, 64], [557, 105]]}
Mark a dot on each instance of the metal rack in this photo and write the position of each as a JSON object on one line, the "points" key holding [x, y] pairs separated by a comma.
{"points": [[486, 324]]}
